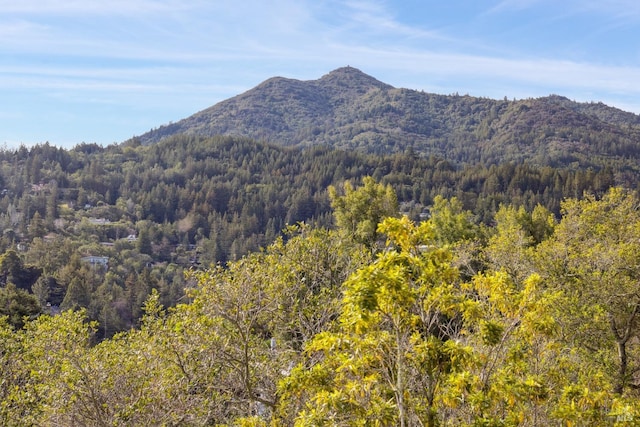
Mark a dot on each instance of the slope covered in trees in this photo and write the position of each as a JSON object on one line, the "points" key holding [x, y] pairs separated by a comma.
{"points": [[99, 228], [438, 322]]}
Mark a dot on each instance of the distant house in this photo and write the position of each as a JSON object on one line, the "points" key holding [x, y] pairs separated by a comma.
{"points": [[99, 221], [36, 188], [132, 238], [96, 260]]}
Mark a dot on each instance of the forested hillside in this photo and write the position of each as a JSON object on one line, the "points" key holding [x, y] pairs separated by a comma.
{"points": [[98, 228]]}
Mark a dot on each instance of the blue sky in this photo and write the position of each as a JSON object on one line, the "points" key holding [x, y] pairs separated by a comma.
{"points": [[76, 71]]}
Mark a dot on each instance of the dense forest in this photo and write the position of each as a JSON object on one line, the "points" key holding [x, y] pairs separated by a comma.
{"points": [[99, 228], [377, 319]]}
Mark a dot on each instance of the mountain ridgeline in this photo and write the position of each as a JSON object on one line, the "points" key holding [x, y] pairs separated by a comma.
{"points": [[348, 109]]}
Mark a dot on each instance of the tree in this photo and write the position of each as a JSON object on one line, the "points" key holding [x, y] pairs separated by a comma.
{"points": [[358, 211], [234, 303], [512, 244], [519, 369], [157, 375], [53, 354], [50, 255], [13, 270], [78, 294], [306, 274], [455, 228], [143, 244], [41, 291], [395, 344], [51, 208], [37, 226], [451, 223], [18, 305], [594, 255]]}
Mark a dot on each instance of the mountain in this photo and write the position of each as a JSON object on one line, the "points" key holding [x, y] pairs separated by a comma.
{"points": [[351, 110], [286, 111]]}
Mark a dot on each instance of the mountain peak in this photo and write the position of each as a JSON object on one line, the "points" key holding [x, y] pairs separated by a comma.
{"points": [[346, 71], [352, 77]]}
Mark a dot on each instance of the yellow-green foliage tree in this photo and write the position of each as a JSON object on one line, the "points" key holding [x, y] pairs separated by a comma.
{"points": [[358, 211], [514, 239], [17, 400], [54, 354], [415, 345], [518, 366], [306, 272], [594, 256], [395, 342]]}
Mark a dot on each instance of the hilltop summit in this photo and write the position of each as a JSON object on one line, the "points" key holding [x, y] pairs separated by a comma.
{"points": [[277, 110], [350, 79]]}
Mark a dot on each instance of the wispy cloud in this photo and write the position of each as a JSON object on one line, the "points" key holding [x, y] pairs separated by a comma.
{"points": [[538, 72], [377, 17], [283, 36], [176, 56], [617, 8], [627, 9]]}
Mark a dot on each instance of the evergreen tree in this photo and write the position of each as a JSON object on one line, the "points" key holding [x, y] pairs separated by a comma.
{"points": [[18, 305]]}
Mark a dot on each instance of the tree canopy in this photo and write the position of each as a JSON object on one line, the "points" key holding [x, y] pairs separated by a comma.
{"points": [[321, 328]]}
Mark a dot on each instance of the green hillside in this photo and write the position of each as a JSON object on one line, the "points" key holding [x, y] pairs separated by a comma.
{"points": [[350, 110]]}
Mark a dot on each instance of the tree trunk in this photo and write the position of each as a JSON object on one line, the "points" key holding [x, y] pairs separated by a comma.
{"points": [[622, 337], [622, 369], [400, 380]]}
